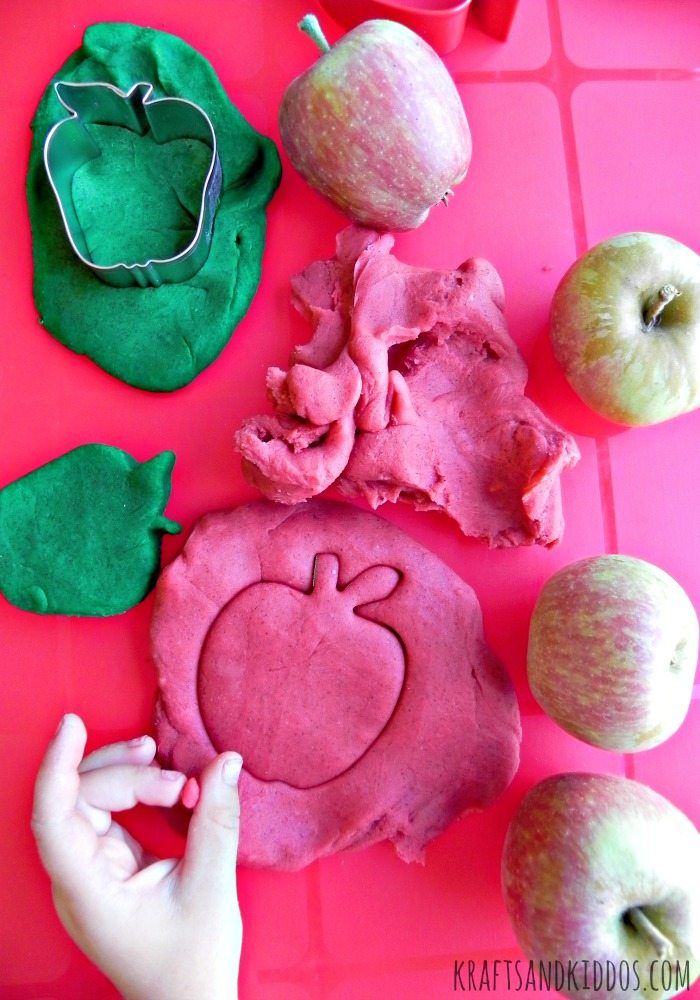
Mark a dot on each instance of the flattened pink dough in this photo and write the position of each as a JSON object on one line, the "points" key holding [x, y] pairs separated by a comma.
{"points": [[346, 664], [444, 426]]}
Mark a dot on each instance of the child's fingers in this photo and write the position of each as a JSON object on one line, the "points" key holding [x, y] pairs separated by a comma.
{"points": [[209, 863], [154, 873], [117, 832], [57, 783], [141, 750], [121, 786], [61, 840]]}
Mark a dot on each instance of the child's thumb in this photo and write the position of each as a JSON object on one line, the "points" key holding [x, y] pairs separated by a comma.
{"points": [[209, 863]]}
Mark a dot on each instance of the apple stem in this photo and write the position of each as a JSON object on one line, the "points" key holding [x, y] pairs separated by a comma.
{"points": [[310, 26], [325, 574], [654, 308], [643, 925]]}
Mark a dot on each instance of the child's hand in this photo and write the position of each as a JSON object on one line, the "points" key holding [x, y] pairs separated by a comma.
{"points": [[159, 929]]}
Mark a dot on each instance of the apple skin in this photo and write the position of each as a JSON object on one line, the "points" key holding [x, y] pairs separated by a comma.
{"points": [[377, 126], [612, 652], [584, 849], [621, 369]]}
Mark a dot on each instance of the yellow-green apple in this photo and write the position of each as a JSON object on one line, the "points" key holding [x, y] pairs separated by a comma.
{"points": [[625, 327], [601, 869], [376, 125], [612, 652]]}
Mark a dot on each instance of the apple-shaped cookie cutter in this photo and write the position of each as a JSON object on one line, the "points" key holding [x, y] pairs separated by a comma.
{"points": [[69, 146]]}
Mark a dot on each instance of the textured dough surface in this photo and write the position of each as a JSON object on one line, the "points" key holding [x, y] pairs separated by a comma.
{"points": [[152, 338], [346, 663], [410, 389]]}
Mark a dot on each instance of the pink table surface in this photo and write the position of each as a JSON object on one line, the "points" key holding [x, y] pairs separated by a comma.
{"points": [[585, 124]]}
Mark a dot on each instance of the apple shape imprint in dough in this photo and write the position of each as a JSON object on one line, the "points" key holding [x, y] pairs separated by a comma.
{"points": [[346, 663], [299, 682]]}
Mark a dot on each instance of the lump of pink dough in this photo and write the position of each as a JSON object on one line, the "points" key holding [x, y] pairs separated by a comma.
{"points": [[396, 303], [441, 422], [323, 293], [319, 396], [289, 461], [347, 664], [478, 450], [401, 408]]}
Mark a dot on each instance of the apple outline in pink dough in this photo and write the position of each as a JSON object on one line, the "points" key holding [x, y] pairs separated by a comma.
{"points": [[226, 670], [391, 794]]}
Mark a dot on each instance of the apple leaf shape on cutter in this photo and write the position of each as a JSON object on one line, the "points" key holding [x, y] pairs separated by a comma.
{"points": [[81, 535], [410, 389], [136, 200], [346, 663]]}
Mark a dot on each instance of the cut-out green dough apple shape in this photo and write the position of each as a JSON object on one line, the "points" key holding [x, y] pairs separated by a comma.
{"points": [[81, 535], [141, 199]]}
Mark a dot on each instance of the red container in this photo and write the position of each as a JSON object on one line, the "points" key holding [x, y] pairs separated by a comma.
{"points": [[439, 22], [495, 17]]}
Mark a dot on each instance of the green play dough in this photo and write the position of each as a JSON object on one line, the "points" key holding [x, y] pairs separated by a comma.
{"points": [[81, 535], [140, 196], [151, 215]]}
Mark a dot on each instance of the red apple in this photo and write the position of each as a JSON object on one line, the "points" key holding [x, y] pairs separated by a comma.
{"points": [[612, 652], [602, 869], [625, 327], [376, 125]]}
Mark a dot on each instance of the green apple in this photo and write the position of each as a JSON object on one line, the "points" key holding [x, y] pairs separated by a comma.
{"points": [[625, 327]]}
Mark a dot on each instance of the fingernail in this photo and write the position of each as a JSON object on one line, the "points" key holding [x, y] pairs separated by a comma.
{"points": [[232, 768], [190, 793], [138, 741], [68, 719], [171, 775]]}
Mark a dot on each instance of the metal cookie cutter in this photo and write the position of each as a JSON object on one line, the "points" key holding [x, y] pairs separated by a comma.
{"points": [[69, 146]]}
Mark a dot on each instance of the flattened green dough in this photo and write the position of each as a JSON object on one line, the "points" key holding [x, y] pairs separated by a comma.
{"points": [[152, 338], [153, 214], [81, 535]]}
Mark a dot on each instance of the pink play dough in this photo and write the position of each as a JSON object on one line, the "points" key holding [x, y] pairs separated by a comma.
{"points": [[410, 389], [346, 664]]}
